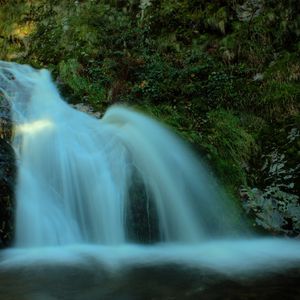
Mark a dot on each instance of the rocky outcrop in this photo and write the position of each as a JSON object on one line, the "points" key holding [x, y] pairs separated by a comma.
{"points": [[7, 177]]}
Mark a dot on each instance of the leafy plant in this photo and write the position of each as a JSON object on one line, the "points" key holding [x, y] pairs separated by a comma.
{"points": [[274, 210]]}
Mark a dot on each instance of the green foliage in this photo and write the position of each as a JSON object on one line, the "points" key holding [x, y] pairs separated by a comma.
{"points": [[180, 120], [80, 86], [229, 146], [156, 80], [216, 20], [223, 88], [285, 68], [274, 210], [280, 99], [275, 205]]}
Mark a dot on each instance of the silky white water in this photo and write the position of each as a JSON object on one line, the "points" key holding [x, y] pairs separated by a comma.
{"points": [[80, 180], [76, 174]]}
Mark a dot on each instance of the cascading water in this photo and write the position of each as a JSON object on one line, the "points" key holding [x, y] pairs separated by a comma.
{"points": [[79, 179], [75, 171]]}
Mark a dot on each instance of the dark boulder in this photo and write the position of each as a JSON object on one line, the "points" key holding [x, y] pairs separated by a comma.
{"points": [[7, 177]]}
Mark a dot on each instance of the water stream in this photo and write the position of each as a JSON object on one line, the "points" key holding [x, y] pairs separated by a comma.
{"points": [[100, 200]]}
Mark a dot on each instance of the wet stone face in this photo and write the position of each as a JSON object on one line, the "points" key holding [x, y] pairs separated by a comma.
{"points": [[7, 173]]}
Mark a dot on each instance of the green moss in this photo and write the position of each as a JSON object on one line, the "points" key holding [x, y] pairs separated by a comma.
{"points": [[229, 147]]}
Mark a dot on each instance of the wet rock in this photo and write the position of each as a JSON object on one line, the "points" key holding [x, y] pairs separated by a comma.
{"points": [[7, 177]]}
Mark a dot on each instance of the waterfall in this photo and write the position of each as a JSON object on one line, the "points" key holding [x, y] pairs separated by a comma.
{"points": [[77, 174], [91, 192]]}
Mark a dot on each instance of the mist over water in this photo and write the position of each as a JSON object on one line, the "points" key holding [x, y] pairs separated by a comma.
{"points": [[80, 180]]}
